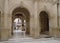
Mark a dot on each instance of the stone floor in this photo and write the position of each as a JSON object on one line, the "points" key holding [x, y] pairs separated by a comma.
{"points": [[19, 38]]}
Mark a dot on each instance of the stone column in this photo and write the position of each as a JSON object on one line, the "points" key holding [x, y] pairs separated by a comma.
{"points": [[36, 20], [58, 18], [5, 31], [32, 21], [32, 25], [28, 27], [2, 27]]}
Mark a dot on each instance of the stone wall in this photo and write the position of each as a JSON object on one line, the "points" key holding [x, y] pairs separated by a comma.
{"points": [[34, 7]]}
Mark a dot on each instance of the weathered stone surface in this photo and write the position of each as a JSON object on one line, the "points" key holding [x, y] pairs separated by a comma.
{"points": [[33, 25]]}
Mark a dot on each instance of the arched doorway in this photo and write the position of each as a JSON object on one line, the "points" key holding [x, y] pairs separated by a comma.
{"points": [[24, 14], [44, 23]]}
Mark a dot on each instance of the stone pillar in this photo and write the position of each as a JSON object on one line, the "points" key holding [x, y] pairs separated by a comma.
{"points": [[32, 20], [5, 30], [59, 15], [53, 26], [53, 21], [32, 30], [28, 27], [58, 18], [36, 21]]}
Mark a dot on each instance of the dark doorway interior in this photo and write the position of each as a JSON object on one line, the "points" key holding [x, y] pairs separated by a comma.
{"points": [[44, 21]]}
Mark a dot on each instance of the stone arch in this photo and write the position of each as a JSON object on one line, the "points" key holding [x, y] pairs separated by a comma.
{"points": [[23, 12], [47, 11], [18, 5], [44, 22]]}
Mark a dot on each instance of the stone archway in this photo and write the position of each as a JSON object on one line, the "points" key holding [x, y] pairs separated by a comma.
{"points": [[44, 22], [24, 13]]}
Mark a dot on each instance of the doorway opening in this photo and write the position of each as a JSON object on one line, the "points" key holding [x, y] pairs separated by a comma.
{"points": [[19, 27], [17, 24], [44, 23], [22, 16]]}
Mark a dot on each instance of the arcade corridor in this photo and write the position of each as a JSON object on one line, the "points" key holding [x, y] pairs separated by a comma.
{"points": [[38, 21]]}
